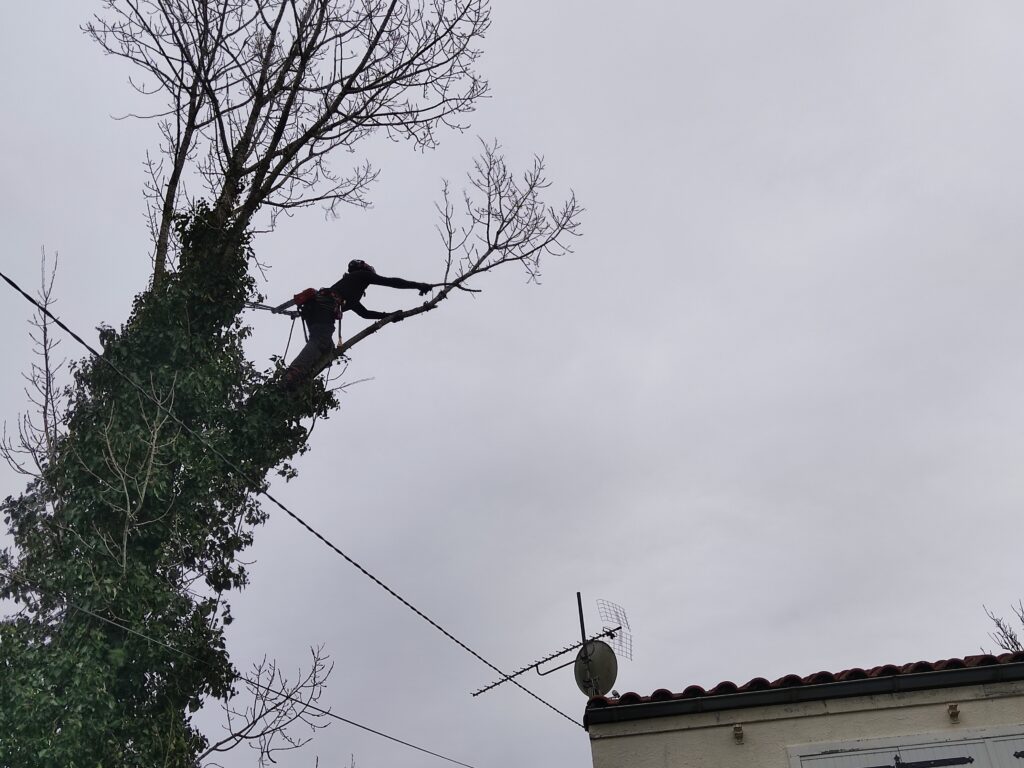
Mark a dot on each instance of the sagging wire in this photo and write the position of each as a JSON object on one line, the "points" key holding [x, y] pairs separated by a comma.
{"points": [[309, 528]]}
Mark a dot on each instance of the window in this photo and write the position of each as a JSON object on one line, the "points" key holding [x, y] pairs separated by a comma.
{"points": [[977, 750]]}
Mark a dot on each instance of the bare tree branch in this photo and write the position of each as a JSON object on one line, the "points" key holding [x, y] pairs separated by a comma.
{"points": [[39, 432], [503, 220], [274, 709], [1005, 635]]}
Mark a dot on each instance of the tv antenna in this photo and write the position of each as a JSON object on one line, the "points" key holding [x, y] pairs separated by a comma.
{"points": [[595, 666]]}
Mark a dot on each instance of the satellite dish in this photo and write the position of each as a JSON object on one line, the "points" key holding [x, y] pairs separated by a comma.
{"points": [[596, 668]]}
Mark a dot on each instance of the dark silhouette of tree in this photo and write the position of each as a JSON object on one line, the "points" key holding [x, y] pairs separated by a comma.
{"points": [[128, 536]]}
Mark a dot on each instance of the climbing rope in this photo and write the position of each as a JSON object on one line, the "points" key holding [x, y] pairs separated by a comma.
{"points": [[290, 332]]}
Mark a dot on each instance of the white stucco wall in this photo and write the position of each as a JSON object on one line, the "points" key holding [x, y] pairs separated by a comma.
{"points": [[773, 735]]}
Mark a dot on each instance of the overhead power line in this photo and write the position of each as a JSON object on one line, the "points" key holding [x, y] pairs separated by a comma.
{"points": [[250, 681], [256, 483]]}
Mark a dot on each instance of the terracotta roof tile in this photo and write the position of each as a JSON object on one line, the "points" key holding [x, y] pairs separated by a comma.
{"points": [[983, 660], [724, 688], [757, 684], [852, 674], [789, 681], [886, 670]]}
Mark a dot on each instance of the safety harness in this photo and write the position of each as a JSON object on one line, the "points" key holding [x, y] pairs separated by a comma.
{"points": [[307, 303]]}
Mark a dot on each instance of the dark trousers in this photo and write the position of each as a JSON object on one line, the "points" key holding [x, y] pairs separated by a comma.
{"points": [[321, 341]]}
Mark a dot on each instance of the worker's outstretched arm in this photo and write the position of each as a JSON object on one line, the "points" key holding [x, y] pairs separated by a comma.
{"points": [[368, 314], [397, 282]]}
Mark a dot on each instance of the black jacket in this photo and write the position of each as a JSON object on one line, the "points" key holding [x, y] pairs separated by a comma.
{"points": [[347, 294]]}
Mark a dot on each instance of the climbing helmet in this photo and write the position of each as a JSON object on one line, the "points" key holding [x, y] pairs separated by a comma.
{"points": [[358, 265]]}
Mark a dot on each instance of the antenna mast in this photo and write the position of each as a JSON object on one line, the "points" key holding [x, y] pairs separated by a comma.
{"points": [[596, 665]]}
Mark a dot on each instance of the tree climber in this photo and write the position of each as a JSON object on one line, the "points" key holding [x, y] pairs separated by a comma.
{"points": [[320, 308]]}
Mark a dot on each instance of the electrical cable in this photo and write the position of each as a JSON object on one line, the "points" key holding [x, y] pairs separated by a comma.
{"points": [[250, 681], [32, 300]]}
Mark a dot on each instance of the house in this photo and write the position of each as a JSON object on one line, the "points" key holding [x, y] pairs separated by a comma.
{"points": [[967, 711]]}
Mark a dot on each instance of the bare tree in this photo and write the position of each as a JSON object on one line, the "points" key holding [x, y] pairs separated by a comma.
{"points": [[38, 432], [257, 94], [275, 708]]}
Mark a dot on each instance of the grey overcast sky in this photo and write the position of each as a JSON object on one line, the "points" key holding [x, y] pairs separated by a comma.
{"points": [[772, 405]]}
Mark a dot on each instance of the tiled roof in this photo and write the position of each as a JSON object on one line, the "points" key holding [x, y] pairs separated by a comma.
{"points": [[727, 687]]}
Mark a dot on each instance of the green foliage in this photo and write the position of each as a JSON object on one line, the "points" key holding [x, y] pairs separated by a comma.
{"points": [[139, 522]]}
